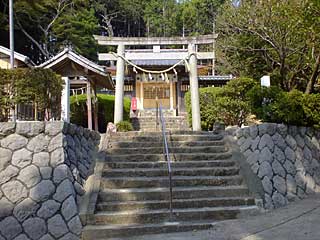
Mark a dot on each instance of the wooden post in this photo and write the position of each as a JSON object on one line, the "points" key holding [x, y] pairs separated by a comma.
{"points": [[171, 95], [65, 100], [141, 95], [95, 109], [89, 105], [179, 96]]}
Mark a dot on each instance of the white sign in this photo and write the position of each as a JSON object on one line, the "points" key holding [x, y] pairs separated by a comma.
{"points": [[265, 81]]}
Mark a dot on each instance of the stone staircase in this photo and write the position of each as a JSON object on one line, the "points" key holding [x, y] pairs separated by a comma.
{"points": [[134, 193], [146, 121]]}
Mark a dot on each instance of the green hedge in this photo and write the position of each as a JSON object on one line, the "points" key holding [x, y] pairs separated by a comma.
{"points": [[228, 104], [294, 108], [78, 110]]}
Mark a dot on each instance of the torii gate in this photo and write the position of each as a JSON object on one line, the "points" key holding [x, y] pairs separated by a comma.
{"points": [[190, 55]]}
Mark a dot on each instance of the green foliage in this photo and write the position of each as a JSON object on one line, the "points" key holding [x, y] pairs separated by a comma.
{"points": [[124, 126], [262, 100], [228, 104], [79, 114], [294, 108], [76, 28], [276, 38], [41, 87]]}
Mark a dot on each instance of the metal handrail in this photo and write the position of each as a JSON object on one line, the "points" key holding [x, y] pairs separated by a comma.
{"points": [[165, 152]]}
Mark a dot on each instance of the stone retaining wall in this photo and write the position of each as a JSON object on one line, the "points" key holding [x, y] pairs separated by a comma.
{"points": [[43, 169], [285, 158]]}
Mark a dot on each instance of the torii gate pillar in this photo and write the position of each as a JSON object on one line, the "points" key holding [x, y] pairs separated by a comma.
{"points": [[194, 88], [118, 104]]}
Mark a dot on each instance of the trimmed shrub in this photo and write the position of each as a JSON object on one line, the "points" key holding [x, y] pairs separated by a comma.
{"points": [[79, 115], [311, 108], [228, 104], [261, 101], [124, 126]]}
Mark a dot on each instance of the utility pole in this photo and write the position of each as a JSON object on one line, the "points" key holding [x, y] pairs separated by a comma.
{"points": [[11, 25]]}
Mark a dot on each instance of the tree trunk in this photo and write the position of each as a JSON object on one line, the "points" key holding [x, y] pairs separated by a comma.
{"points": [[314, 76]]}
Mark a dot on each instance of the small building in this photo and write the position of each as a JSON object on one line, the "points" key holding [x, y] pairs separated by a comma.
{"points": [[20, 61], [79, 73]]}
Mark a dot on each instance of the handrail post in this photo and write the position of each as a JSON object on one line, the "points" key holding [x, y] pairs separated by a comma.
{"points": [[167, 157]]}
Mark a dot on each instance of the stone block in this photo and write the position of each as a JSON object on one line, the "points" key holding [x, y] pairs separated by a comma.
{"points": [[266, 156], [41, 159], [291, 142], [64, 190], [279, 155], [42, 191], [14, 142], [75, 225], [14, 191], [21, 158], [265, 169], [54, 128], [7, 174], [279, 183], [30, 176], [7, 128], [21, 237], [289, 167], [25, 209], [282, 129], [10, 228], [69, 208], [57, 157], [35, 228], [29, 129], [268, 204], [46, 172], [48, 209], [255, 143], [278, 168], [61, 173], [56, 142], [5, 158], [6, 208], [300, 141], [39, 143], [279, 141], [279, 200], [267, 185], [56, 226], [253, 131], [290, 154], [266, 141]]}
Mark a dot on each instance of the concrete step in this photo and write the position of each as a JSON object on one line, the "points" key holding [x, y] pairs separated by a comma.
{"points": [[103, 232], [159, 150], [171, 144], [162, 164], [174, 157], [151, 172], [177, 203], [177, 181], [151, 134], [145, 194], [143, 216]]}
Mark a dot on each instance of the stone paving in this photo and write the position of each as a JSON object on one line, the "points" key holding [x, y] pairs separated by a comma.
{"points": [[297, 221]]}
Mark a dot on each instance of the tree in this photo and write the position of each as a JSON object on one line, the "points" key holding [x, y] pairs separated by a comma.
{"points": [[199, 16], [161, 18], [272, 37]]}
